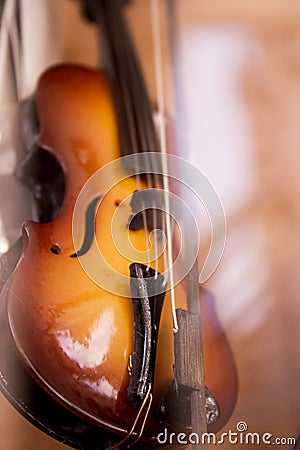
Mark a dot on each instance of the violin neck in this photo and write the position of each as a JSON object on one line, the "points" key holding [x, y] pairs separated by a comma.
{"points": [[133, 107]]}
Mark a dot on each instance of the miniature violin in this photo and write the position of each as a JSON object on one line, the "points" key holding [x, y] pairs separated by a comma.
{"points": [[110, 354]]}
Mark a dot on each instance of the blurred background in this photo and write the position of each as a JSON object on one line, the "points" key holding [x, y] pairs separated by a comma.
{"points": [[238, 97]]}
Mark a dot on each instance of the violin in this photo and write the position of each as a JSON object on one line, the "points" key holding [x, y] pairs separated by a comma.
{"points": [[101, 335]]}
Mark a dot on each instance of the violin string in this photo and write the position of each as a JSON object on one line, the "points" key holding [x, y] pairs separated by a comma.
{"points": [[139, 122], [144, 421], [119, 53], [165, 255], [148, 142], [131, 431], [116, 41], [145, 228], [157, 44]]}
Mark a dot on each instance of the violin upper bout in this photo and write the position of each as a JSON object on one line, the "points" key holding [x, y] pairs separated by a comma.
{"points": [[76, 115], [74, 101]]}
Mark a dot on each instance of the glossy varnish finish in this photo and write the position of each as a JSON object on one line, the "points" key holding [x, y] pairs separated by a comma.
{"points": [[75, 337]]}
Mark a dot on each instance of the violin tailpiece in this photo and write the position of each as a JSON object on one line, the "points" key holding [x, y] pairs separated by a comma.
{"points": [[146, 317]]}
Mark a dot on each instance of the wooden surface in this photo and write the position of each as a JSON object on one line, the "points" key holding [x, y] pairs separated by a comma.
{"points": [[257, 284]]}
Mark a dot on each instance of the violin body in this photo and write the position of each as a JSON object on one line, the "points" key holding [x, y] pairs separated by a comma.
{"points": [[72, 335]]}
